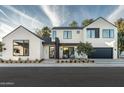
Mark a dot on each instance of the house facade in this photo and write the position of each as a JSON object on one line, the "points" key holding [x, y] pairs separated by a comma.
{"points": [[22, 43]]}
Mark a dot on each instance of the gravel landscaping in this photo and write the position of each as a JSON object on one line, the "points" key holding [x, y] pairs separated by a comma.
{"points": [[21, 61], [75, 61]]}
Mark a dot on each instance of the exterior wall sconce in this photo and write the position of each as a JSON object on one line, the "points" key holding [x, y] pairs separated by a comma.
{"points": [[4, 48]]}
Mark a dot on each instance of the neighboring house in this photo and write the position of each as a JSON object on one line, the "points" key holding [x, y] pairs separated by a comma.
{"points": [[22, 43]]}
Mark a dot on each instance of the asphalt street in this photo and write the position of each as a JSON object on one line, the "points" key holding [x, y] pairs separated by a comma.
{"points": [[62, 76]]}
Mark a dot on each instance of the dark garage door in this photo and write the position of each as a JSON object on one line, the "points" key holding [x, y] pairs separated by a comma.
{"points": [[102, 53]]}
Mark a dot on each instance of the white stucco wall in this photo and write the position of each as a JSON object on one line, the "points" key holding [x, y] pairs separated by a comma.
{"points": [[35, 45], [76, 38], [102, 42]]}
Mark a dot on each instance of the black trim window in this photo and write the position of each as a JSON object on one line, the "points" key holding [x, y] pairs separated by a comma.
{"points": [[108, 33], [67, 35], [21, 47], [92, 32]]}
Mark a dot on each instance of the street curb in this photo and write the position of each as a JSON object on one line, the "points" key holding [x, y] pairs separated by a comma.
{"points": [[62, 65]]}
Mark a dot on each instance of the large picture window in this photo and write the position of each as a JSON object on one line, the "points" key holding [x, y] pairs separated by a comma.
{"points": [[108, 33], [21, 47]]}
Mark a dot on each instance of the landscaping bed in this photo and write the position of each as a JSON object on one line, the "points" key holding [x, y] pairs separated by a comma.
{"points": [[75, 61], [21, 61]]}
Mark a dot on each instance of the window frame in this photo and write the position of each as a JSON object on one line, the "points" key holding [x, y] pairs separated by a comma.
{"points": [[92, 32], [23, 47], [109, 30], [67, 35], [53, 34]]}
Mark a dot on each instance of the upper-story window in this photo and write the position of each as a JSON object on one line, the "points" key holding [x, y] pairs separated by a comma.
{"points": [[92, 32], [53, 34], [108, 33], [67, 34]]}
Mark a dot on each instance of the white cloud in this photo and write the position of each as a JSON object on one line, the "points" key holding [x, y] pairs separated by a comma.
{"points": [[4, 29], [52, 15], [116, 14], [30, 21]]}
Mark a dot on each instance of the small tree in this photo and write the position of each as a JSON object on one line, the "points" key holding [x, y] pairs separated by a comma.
{"points": [[73, 24], [121, 41], [44, 32], [84, 48]]}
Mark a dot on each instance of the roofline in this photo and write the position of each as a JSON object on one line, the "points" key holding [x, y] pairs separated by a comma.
{"points": [[103, 19], [67, 28], [87, 25], [25, 29]]}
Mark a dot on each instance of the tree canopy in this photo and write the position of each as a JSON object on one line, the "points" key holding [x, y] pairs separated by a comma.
{"points": [[84, 48], [87, 22], [73, 24], [120, 27], [120, 24], [44, 32]]}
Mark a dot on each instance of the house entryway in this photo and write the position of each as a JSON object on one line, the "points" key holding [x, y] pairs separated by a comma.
{"points": [[68, 52], [51, 52]]}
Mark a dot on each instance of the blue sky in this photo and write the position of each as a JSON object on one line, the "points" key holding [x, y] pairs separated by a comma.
{"points": [[37, 16]]}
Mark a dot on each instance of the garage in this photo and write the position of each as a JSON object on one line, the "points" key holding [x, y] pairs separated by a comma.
{"points": [[102, 53]]}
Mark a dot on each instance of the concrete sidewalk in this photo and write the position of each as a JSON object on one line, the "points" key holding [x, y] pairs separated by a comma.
{"points": [[64, 65]]}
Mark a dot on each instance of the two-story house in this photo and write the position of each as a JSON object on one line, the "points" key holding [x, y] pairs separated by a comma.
{"points": [[22, 43], [100, 33]]}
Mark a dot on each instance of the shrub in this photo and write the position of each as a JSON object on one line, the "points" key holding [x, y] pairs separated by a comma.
{"points": [[66, 61], [75, 61], [71, 61], [19, 60], [92, 61], [62, 61], [30, 61], [57, 61], [6, 61], [27, 61], [0, 60], [10, 61], [16, 61], [36, 60], [41, 60]]}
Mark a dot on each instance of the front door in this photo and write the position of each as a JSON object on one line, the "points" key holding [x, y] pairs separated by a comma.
{"points": [[68, 52], [51, 52]]}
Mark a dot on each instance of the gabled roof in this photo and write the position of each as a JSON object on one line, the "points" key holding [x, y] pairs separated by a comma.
{"points": [[84, 26], [25, 29], [98, 19]]}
